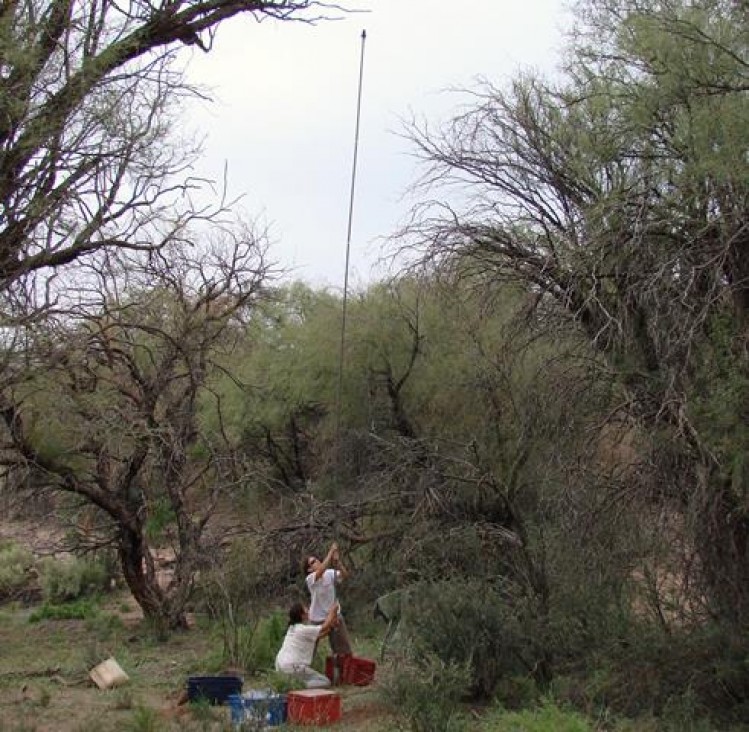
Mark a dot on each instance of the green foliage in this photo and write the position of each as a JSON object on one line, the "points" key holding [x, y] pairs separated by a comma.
{"points": [[684, 712], [68, 579], [427, 692], [81, 609], [236, 592], [549, 717], [279, 682], [721, 391], [517, 692], [261, 643], [160, 516], [252, 646], [15, 568], [697, 674], [469, 624]]}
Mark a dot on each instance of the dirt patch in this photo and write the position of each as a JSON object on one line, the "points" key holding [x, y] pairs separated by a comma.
{"points": [[364, 715], [42, 540]]}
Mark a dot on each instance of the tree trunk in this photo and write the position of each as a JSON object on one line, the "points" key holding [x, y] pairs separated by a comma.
{"points": [[140, 574], [721, 527]]}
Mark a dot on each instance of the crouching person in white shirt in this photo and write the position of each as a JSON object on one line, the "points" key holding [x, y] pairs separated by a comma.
{"points": [[298, 648]]}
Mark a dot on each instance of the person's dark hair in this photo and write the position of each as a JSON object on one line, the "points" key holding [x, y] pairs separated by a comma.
{"points": [[296, 613], [305, 564]]}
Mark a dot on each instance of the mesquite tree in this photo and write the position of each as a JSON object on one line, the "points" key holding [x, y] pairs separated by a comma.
{"points": [[619, 194], [88, 94], [111, 409], [94, 183]]}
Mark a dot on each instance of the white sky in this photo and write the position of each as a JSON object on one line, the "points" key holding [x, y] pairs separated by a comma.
{"points": [[284, 116]]}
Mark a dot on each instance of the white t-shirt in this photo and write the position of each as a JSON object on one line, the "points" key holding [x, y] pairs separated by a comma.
{"points": [[322, 593], [298, 646]]}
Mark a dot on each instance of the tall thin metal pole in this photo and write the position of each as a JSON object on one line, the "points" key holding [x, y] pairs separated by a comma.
{"points": [[341, 356]]}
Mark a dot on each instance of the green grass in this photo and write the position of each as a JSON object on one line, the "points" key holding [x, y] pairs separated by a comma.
{"points": [[547, 718]]}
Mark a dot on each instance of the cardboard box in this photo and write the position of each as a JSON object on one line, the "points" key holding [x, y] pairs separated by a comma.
{"points": [[108, 674], [316, 707]]}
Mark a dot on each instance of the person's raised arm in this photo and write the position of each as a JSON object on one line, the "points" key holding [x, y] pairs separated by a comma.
{"points": [[325, 564], [341, 568]]}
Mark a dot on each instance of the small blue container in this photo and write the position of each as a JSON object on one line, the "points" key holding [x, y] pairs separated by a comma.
{"points": [[259, 706], [214, 689]]}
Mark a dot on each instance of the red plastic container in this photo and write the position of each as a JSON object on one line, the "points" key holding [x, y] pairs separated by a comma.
{"points": [[358, 671], [316, 707]]}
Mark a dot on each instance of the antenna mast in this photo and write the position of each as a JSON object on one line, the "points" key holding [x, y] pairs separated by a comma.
{"points": [[341, 356]]}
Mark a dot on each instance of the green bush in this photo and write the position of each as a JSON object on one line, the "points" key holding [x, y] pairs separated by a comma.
{"points": [[426, 693], [16, 564], [82, 609], [516, 692], [470, 624], [68, 579]]}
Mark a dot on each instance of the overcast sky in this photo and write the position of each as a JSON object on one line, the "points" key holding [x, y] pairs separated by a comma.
{"points": [[283, 120]]}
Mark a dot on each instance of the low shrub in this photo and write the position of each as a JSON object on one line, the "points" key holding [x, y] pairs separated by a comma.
{"points": [[82, 609], [68, 579], [469, 624], [16, 564], [426, 692]]}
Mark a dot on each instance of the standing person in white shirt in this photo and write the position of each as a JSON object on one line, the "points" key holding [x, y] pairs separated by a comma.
{"points": [[322, 578], [298, 648]]}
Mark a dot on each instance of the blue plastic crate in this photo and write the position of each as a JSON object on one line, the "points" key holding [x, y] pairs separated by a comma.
{"points": [[265, 707], [215, 689]]}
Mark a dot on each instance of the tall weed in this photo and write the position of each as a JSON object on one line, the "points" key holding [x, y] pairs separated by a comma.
{"points": [[260, 643]]}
